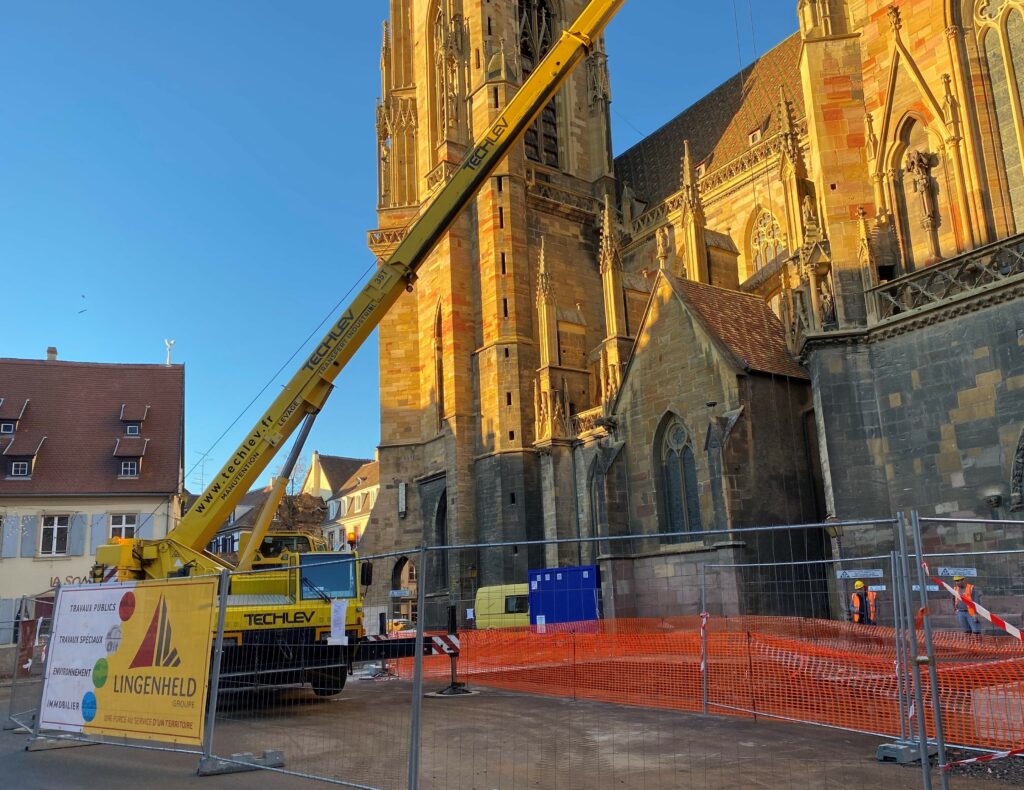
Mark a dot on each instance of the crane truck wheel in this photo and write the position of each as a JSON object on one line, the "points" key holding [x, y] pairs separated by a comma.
{"points": [[328, 682]]}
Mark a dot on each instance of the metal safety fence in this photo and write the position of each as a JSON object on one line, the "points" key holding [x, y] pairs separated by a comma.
{"points": [[700, 660], [23, 670]]}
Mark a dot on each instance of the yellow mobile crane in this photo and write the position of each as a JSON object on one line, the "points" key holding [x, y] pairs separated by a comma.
{"points": [[277, 621]]}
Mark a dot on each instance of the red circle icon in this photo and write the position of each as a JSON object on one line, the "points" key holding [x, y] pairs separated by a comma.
{"points": [[127, 607]]}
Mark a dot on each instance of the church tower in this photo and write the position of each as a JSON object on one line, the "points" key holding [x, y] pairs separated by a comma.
{"points": [[467, 357]]}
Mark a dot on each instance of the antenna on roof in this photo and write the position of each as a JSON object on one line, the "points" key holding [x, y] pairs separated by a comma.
{"points": [[170, 345]]}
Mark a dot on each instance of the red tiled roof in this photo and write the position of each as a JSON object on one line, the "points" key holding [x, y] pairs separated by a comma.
{"points": [[338, 469], [24, 443], [718, 126], [134, 412], [366, 476], [77, 406], [12, 408], [743, 324], [130, 447]]}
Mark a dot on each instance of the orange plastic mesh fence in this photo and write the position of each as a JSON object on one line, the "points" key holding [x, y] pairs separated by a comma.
{"points": [[818, 671]]}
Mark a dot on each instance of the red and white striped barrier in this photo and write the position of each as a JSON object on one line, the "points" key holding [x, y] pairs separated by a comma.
{"points": [[436, 645], [985, 758], [446, 644], [995, 619], [703, 633]]}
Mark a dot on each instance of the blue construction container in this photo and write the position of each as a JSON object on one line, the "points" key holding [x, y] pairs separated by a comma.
{"points": [[565, 595]]}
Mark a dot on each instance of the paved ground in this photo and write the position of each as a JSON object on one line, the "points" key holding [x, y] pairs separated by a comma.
{"points": [[491, 740]]}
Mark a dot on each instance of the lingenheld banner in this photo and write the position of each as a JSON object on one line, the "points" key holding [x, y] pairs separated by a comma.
{"points": [[131, 660]]}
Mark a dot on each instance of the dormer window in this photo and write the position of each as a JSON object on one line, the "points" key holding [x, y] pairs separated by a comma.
{"points": [[755, 137], [129, 452], [132, 416], [20, 468], [7, 427]]}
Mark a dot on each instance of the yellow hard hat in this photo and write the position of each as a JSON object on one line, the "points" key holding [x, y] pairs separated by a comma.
{"points": [[859, 586], [958, 578]]}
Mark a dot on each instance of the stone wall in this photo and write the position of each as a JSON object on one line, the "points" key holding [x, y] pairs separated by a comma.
{"points": [[924, 412], [668, 583]]}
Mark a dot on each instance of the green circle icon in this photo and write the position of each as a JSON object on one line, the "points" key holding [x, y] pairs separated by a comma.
{"points": [[99, 673]]}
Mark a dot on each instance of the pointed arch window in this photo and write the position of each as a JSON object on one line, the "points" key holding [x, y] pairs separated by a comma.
{"points": [[448, 48], [766, 243], [680, 493], [536, 34], [1001, 28]]}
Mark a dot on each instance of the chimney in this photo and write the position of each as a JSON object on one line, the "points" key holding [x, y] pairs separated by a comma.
{"points": [[51, 354]]}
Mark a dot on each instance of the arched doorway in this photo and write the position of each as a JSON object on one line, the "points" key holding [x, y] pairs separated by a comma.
{"points": [[438, 562], [403, 590]]}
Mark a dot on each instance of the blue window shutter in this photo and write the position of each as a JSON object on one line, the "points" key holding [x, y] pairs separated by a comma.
{"points": [[76, 535], [9, 540], [145, 529], [29, 540], [98, 530]]}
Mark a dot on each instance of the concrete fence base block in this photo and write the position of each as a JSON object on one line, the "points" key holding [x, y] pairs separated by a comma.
{"points": [[247, 761], [44, 743], [902, 752], [452, 691]]}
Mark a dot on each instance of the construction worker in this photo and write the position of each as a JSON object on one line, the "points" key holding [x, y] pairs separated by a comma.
{"points": [[964, 606], [863, 604]]}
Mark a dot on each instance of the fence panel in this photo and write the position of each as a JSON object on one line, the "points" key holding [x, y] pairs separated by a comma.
{"points": [[302, 698], [619, 701], [31, 628], [91, 669], [980, 664]]}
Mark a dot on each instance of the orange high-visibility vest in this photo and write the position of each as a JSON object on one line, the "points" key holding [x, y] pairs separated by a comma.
{"points": [[855, 602], [966, 594]]}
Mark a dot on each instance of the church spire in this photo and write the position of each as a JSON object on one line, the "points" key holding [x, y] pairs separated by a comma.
{"points": [[611, 275], [547, 317], [544, 292], [693, 244], [611, 256]]}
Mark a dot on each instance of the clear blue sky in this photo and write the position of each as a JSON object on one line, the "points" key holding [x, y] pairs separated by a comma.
{"points": [[204, 171]]}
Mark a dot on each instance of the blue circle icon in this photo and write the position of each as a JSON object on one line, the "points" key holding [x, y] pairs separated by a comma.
{"points": [[89, 706]]}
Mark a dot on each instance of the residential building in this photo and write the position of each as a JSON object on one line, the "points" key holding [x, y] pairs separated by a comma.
{"points": [[328, 474], [330, 477], [90, 452], [349, 510]]}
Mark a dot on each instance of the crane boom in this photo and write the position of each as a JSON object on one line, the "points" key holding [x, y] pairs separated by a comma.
{"points": [[309, 388]]}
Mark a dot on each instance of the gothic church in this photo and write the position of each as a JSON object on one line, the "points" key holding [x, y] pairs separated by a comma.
{"points": [[799, 299]]}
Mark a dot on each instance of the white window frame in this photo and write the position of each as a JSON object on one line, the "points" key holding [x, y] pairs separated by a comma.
{"points": [[55, 525], [755, 137], [20, 469], [120, 523], [7, 427], [132, 429], [129, 468]]}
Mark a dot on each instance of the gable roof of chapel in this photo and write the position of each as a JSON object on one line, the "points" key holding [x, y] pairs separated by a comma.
{"points": [[742, 324], [718, 126]]}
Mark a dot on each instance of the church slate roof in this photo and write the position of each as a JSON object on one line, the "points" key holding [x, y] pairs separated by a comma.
{"points": [[742, 323], [718, 126]]}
